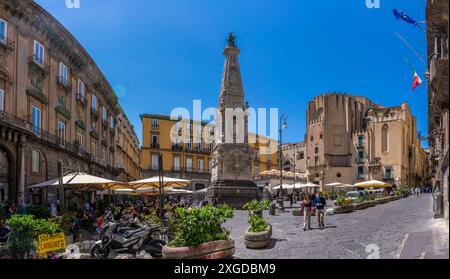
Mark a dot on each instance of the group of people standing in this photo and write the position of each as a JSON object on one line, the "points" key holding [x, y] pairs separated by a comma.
{"points": [[318, 202]]}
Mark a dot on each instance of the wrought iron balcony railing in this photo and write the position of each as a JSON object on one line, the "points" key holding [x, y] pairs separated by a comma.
{"points": [[64, 83], [50, 139], [154, 145], [82, 100], [177, 147], [360, 176], [6, 43], [37, 61]]}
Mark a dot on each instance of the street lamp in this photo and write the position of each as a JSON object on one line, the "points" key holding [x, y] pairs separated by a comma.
{"points": [[283, 126]]}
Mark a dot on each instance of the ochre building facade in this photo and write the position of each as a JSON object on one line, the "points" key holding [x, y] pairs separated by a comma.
{"points": [[186, 147], [56, 107]]}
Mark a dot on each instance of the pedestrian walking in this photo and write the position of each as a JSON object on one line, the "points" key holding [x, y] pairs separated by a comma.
{"points": [[307, 204], [319, 203], [417, 191], [292, 199]]}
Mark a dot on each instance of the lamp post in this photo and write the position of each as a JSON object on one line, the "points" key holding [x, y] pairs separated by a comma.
{"points": [[294, 193], [283, 126], [161, 187]]}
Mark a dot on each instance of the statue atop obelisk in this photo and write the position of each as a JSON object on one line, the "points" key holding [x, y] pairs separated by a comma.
{"points": [[232, 156]]}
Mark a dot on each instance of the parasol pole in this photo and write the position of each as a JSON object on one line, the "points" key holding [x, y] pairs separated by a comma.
{"points": [[61, 187]]}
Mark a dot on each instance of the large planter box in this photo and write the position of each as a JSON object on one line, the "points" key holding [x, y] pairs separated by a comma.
{"points": [[343, 209], [360, 206], [221, 249], [258, 240], [370, 203], [381, 201], [297, 212]]}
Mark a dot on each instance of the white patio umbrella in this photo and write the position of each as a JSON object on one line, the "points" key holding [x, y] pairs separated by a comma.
{"points": [[310, 185], [339, 185], [83, 182], [285, 187], [155, 182], [180, 191], [373, 184]]}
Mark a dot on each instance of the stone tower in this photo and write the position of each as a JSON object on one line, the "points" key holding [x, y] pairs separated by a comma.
{"points": [[232, 156]]}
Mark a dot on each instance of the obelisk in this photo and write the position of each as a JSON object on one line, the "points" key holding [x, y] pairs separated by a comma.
{"points": [[232, 156]]}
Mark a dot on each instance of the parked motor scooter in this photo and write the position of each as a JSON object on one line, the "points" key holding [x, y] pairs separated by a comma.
{"points": [[113, 239]]}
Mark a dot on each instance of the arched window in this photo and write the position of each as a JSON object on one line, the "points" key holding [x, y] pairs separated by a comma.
{"points": [[385, 138], [317, 150]]}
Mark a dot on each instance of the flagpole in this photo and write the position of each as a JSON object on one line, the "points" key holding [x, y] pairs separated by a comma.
{"points": [[411, 48]]}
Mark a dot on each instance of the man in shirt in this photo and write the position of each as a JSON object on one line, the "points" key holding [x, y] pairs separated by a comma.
{"points": [[319, 203]]}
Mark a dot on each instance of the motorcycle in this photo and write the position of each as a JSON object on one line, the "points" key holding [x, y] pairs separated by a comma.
{"points": [[116, 238]]}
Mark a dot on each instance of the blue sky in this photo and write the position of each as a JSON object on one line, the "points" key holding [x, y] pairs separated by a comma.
{"points": [[163, 54]]}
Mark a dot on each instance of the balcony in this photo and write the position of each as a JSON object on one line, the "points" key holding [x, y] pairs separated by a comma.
{"points": [[177, 169], [80, 124], [360, 176], [196, 171], [154, 145], [388, 177], [94, 114], [53, 140], [37, 64], [360, 145], [75, 148], [6, 43], [155, 127], [376, 162], [360, 160], [64, 83], [177, 147], [104, 143], [81, 100]]}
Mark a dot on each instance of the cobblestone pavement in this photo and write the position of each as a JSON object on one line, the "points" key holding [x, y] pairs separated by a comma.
{"points": [[345, 236]]}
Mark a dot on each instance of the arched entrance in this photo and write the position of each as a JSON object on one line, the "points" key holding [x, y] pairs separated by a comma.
{"points": [[4, 176]]}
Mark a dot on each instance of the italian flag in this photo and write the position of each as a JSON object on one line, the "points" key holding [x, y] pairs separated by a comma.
{"points": [[417, 81]]}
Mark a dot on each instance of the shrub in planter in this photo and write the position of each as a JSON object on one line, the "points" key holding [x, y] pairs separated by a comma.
{"points": [[66, 223], [201, 225], [200, 234], [343, 201], [259, 234], [24, 232], [38, 212], [257, 207], [296, 212]]}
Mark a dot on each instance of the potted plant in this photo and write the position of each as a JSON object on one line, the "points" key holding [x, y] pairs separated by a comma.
{"points": [[25, 230], [200, 234], [360, 204], [66, 223], [297, 212], [259, 234], [344, 205]]}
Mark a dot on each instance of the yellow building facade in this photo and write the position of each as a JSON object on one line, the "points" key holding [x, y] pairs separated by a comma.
{"points": [[186, 149]]}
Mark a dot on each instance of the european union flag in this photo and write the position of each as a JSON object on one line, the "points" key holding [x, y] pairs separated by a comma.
{"points": [[401, 15]]}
